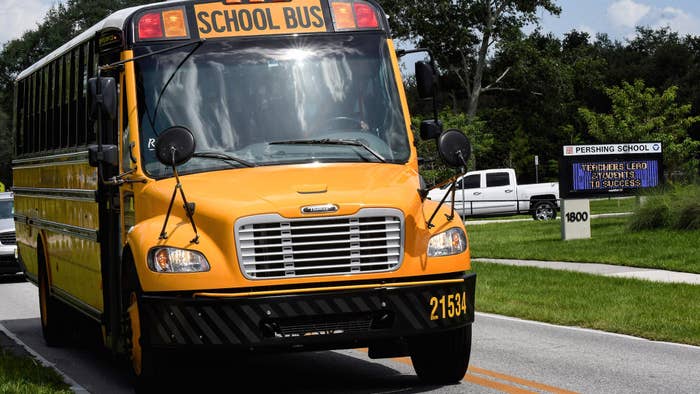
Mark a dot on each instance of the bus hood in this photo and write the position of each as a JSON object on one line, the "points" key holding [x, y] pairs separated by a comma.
{"points": [[286, 190]]}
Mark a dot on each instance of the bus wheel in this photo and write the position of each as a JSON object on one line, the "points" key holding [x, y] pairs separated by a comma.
{"points": [[442, 358], [51, 311], [140, 357]]}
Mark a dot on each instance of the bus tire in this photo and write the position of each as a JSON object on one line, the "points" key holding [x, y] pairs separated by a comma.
{"points": [[141, 359], [442, 358], [52, 312]]}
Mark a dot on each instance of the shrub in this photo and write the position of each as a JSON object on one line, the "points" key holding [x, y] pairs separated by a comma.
{"points": [[651, 214], [678, 208], [686, 213]]}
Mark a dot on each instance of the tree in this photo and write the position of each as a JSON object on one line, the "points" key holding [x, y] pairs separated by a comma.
{"points": [[482, 141], [460, 34], [640, 114], [554, 78]]}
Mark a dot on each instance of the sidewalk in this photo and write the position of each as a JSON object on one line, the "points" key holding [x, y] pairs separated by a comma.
{"points": [[619, 271]]}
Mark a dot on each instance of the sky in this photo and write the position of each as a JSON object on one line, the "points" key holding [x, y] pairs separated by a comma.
{"points": [[617, 18]]}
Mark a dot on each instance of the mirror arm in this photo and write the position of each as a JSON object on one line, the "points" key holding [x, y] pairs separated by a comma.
{"points": [[429, 223], [119, 180], [189, 207], [453, 190]]}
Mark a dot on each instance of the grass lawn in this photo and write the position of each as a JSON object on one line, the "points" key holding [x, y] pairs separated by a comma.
{"points": [[612, 205], [611, 243], [658, 311], [24, 375]]}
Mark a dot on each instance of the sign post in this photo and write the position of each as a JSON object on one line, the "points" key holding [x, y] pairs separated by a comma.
{"points": [[587, 171], [575, 219]]}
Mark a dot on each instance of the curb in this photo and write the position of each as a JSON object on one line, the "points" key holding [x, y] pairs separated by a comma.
{"points": [[74, 386]]}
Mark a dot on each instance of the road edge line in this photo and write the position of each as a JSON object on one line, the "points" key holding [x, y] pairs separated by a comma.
{"points": [[74, 386], [588, 330]]}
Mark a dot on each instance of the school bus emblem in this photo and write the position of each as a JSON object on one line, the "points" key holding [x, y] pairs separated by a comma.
{"points": [[327, 208]]}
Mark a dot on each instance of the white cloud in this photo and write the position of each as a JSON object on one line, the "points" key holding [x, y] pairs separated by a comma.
{"points": [[18, 16], [627, 13], [679, 21], [587, 29]]}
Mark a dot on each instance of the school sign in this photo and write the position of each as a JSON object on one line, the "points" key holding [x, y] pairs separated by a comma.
{"points": [[609, 169]]}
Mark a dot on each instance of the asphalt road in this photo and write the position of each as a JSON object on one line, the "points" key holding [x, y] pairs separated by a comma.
{"points": [[508, 355]]}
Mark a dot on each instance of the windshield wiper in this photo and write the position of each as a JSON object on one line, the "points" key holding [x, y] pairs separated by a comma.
{"points": [[333, 142], [223, 156]]}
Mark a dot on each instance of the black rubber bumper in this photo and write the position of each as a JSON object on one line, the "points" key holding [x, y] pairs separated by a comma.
{"points": [[9, 265], [322, 320]]}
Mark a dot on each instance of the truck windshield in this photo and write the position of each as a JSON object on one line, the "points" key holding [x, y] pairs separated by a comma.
{"points": [[248, 99]]}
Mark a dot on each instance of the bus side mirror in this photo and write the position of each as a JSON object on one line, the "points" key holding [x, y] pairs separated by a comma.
{"points": [[175, 146], [107, 97], [109, 155], [430, 129], [454, 148], [425, 79]]}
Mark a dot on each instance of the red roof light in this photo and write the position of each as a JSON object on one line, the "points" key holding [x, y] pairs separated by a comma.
{"points": [[150, 26], [366, 17]]}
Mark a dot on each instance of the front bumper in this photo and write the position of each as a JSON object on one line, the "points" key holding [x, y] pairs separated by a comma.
{"points": [[328, 319], [9, 264]]}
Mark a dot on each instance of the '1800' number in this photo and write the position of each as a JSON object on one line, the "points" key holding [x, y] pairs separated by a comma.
{"points": [[573, 217], [448, 306]]}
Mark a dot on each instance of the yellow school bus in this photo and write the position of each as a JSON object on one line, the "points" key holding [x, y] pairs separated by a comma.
{"points": [[234, 176]]}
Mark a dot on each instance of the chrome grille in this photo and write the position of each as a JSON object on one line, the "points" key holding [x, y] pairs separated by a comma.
{"points": [[8, 238], [271, 247]]}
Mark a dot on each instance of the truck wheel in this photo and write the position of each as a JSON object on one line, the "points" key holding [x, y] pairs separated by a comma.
{"points": [[52, 312], [544, 210], [442, 358]]}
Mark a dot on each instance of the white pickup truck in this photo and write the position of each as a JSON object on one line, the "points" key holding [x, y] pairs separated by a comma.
{"points": [[496, 192]]}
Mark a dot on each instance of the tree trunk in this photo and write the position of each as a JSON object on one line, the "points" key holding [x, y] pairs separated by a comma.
{"points": [[480, 65]]}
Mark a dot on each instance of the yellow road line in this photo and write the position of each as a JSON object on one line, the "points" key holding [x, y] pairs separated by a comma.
{"points": [[520, 381], [497, 385]]}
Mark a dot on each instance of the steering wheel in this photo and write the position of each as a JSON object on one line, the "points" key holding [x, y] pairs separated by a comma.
{"points": [[343, 123]]}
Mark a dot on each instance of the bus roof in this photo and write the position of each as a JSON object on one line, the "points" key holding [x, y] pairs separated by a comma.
{"points": [[115, 21]]}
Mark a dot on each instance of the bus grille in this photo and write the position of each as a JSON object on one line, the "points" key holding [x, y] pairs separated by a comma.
{"points": [[272, 247], [8, 238]]}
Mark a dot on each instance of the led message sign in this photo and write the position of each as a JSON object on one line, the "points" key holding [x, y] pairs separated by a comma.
{"points": [[618, 169]]}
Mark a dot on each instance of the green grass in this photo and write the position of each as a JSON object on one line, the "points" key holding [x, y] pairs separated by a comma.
{"points": [[611, 242], [612, 205], [658, 311], [23, 375]]}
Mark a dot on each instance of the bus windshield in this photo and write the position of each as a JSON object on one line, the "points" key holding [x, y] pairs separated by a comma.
{"points": [[273, 101]]}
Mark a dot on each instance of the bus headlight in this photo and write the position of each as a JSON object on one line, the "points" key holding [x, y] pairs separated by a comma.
{"points": [[172, 260], [452, 241]]}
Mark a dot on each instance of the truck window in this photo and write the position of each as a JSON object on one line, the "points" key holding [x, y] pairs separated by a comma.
{"points": [[497, 179], [471, 181]]}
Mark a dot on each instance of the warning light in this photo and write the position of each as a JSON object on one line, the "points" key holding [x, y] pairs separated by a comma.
{"points": [[354, 15], [166, 24], [342, 16], [174, 23], [366, 17], [150, 26]]}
